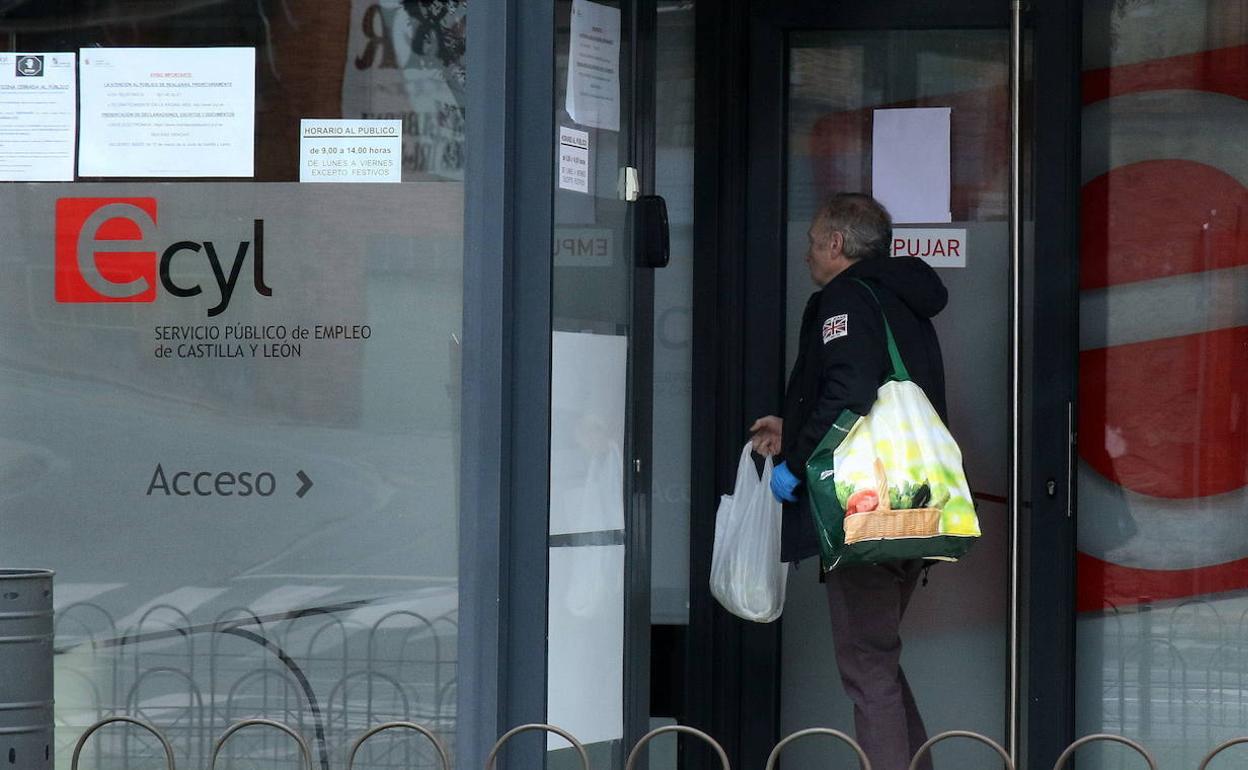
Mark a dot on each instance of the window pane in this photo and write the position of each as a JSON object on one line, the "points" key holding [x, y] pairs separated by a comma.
{"points": [[673, 317], [243, 467], [1163, 581]]}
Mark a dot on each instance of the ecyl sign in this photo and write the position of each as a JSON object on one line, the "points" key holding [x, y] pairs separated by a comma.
{"points": [[104, 254], [938, 247]]}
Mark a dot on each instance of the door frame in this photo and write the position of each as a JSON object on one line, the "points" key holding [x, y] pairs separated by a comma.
{"points": [[732, 684], [642, 26], [637, 74], [504, 495], [505, 379]]}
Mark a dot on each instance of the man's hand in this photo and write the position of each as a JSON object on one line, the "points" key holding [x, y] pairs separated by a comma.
{"points": [[765, 434], [783, 482]]}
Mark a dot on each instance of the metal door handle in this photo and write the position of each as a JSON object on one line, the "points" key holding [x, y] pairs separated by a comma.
{"points": [[1015, 374]]}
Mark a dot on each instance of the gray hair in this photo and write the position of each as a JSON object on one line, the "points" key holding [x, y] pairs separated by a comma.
{"points": [[860, 219]]}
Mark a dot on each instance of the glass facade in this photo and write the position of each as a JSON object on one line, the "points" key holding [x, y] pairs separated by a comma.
{"points": [[229, 401], [1163, 383]]}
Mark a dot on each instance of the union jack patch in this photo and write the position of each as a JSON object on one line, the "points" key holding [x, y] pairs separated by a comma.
{"points": [[836, 326]]}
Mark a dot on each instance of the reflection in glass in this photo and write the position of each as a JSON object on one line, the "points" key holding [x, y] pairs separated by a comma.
{"points": [[1163, 445], [955, 633], [201, 578]]}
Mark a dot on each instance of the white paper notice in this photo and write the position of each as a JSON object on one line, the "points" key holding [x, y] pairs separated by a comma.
{"points": [[350, 150], [586, 643], [573, 160], [910, 163], [588, 397], [37, 117], [168, 112], [593, 97]]}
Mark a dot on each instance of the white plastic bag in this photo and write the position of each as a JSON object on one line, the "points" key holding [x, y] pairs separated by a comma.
{"points": [[747, 576]]}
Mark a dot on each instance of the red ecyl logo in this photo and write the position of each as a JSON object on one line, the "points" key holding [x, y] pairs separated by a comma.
{"points": [[103, 255], [99, 250]]}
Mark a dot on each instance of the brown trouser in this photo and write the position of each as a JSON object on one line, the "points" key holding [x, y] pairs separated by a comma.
{"points": [[866, 605]]}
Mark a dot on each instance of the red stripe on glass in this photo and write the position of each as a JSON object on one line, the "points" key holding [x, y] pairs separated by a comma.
{"points": [[1222, 71], [1161, 218], [1168, 417], [1102, 585]]}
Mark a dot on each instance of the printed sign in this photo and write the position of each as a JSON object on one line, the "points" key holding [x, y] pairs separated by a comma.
{"points": [[350, 150], [573, 160], [194, 372], [168, 112], [937, 247], [102, 255], [593, 91], [37, 117]]}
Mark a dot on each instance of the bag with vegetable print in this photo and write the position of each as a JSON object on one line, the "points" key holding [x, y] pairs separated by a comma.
{"points": [[889, 485]]}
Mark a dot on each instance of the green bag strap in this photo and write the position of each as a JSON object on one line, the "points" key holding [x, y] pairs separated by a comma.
{"points": [[900, 373]]}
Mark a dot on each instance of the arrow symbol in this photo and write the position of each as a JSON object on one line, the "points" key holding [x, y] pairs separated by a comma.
{"points": [[306, 484]]}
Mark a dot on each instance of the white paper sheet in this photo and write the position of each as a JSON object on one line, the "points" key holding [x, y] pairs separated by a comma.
{"points": [[573, 160], [350, 150], [37, 117], [168, 112], [586, 643], [588, 393], [910, 163], [593, 93]]}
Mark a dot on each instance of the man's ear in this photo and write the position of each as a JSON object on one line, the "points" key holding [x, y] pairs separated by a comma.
{"points": [[836, 243]]}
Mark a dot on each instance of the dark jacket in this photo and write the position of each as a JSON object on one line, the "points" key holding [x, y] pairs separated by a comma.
{"points": [[843, 359]]}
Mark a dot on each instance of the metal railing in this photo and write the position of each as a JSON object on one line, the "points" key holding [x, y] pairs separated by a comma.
{"points": [[935, 739], [1175, 678], [1070, 750], [677, 729], [445, 761], [325, 677], [1174, 675]]}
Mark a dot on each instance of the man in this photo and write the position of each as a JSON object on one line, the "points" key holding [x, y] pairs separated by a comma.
{"points": [[841, 362]]}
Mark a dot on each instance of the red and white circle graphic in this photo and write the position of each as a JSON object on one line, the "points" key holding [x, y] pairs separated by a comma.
{"points": [[1163, 392]]}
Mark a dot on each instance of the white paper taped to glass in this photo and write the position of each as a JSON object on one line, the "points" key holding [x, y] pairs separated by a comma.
{"points": [[593, 88], [910, 156]]}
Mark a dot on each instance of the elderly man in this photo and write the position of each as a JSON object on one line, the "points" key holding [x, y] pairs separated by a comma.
{"points": [[841, 362]]}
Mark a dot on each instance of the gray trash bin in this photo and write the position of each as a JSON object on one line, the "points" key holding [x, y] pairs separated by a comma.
{"points": [[25, 669]]}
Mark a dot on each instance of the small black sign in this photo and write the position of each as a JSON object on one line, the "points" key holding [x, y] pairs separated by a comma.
{"points": [[29, 66]]}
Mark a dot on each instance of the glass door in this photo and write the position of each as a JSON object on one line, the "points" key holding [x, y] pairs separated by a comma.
{"points": [[922, 107], [598, 620], [915, 112]]}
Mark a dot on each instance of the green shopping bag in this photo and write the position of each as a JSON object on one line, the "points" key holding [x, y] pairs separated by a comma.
{"points": [[889, 485]]}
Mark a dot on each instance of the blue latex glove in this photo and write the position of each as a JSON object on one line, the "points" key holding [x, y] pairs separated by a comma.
{"points": [[783, 482]]}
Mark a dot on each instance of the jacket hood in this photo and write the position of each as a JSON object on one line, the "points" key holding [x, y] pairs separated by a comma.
{"points": [[910, 278]]}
